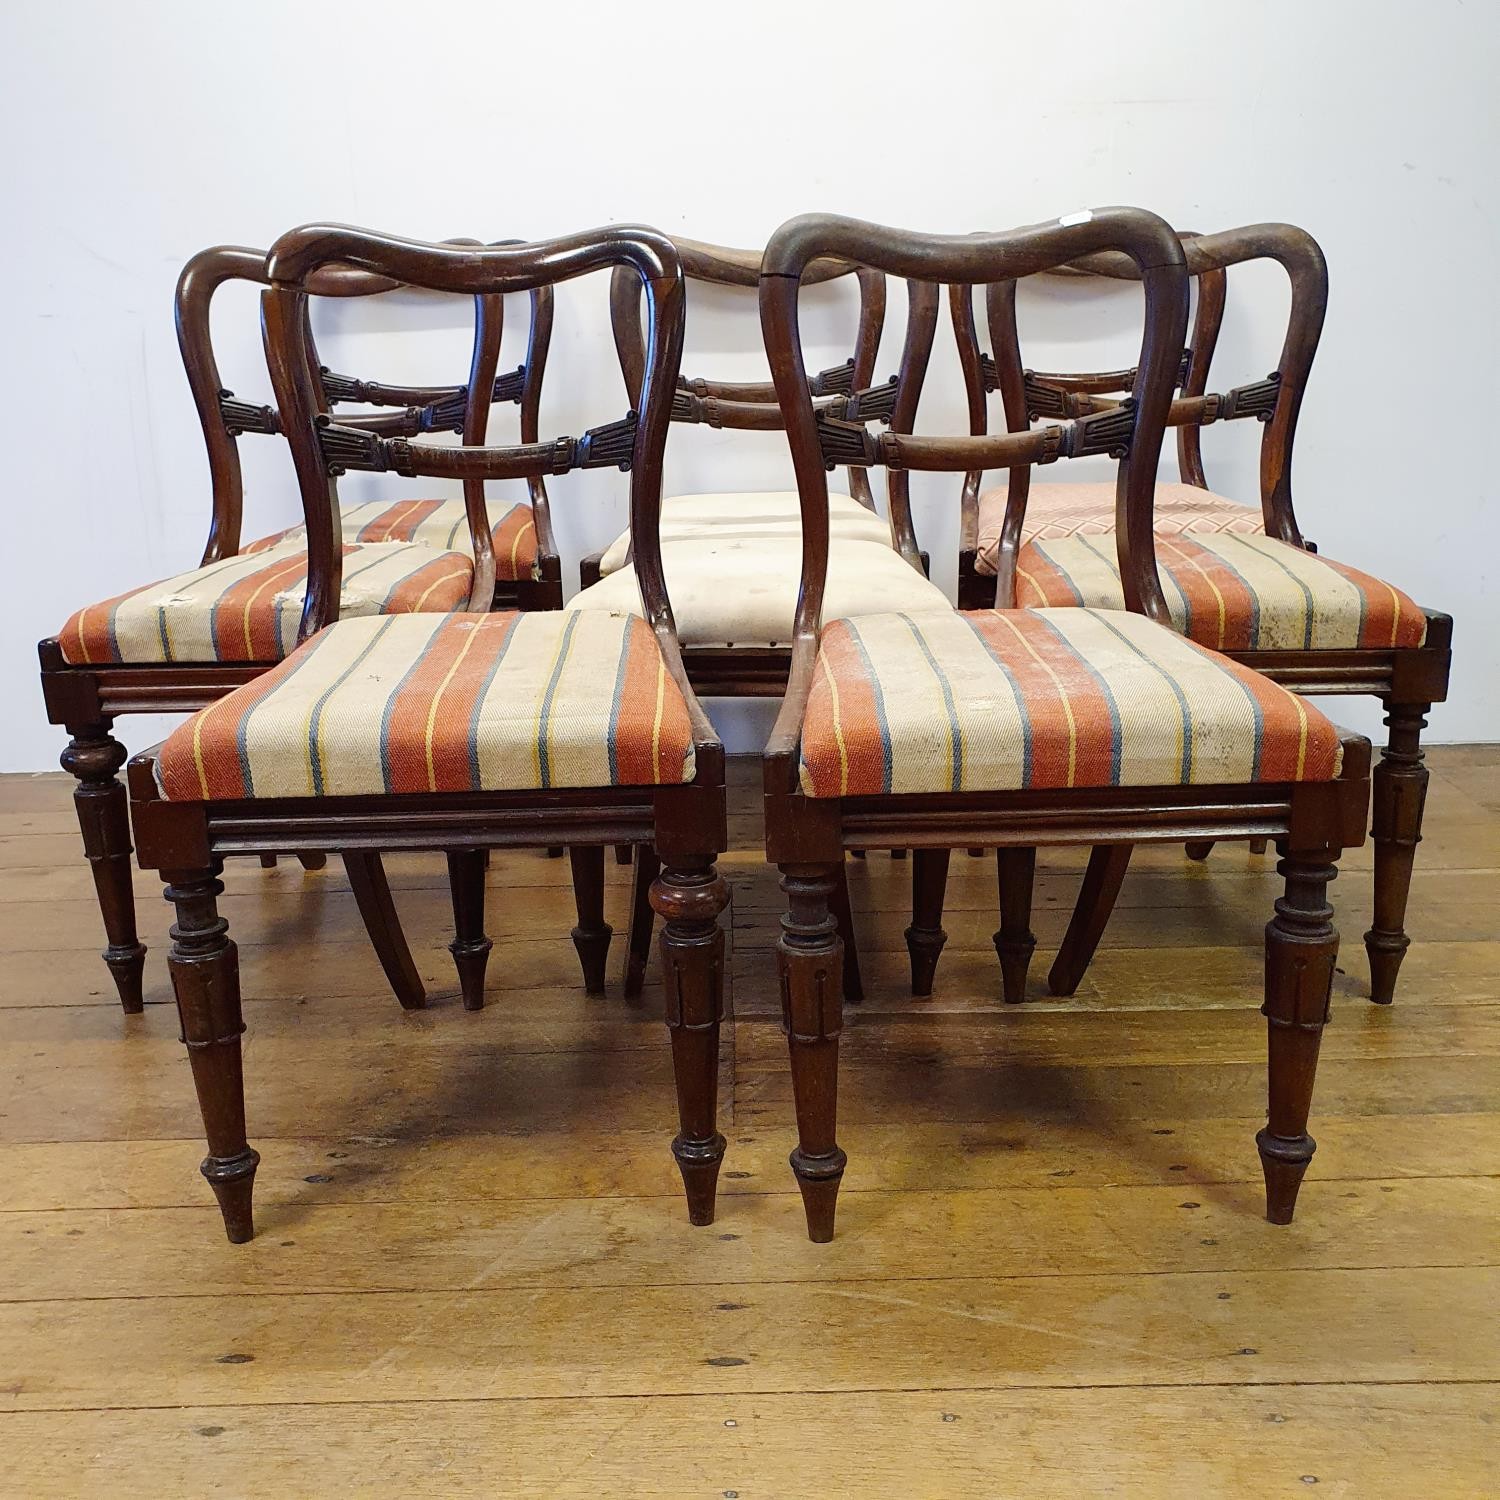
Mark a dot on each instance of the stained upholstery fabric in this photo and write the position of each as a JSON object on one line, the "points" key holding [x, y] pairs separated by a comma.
{"points": [[442, 524], [248, 608], [1008, 700], [461, 703], [743, 591], [1054, 511], [737, 517], [1233, 593]]}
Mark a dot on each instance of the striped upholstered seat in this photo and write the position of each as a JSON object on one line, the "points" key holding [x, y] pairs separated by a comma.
{"points": [[434, 523], [1010, 700], [1054, 511], [460, 703], [1234, 593], [248, 608]]}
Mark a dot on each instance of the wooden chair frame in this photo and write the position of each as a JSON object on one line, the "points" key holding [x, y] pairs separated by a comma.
{"points": [[87, 699], [685, 824], [1407, 681], [806, 837]]}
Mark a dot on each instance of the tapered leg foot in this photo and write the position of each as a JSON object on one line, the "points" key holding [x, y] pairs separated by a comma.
{"points": [[206, 981], [1096, 900], [94, 756], [372, 895], [688, 895], [312, 860], [622, 854], [1398, 799], [1259, 846], [638, 949], [1015, 942], [1198, 849], [471, 944], [1301, 949], [811, 967], [592, 934], [925, 937], [268, 861]]}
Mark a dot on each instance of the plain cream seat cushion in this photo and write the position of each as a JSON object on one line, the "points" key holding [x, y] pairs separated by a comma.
{"points": [[768, 513], [743, 592]]}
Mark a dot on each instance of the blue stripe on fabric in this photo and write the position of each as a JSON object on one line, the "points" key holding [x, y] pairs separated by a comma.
{"points": [[543, 768], [1022, 716], [242, 730], [616, 699], [390, 708], [510, 635], [1307, 601], [882, 722], [1116, 726], [1186, 769], [955, 734], [333, 687], [1250, 589]]}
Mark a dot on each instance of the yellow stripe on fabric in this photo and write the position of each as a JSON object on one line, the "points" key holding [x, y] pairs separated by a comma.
{"points": [[432, 709], [1062, 693], [837, 715], [551, 676], [661, 698], [1181, 559], [515, 546]]}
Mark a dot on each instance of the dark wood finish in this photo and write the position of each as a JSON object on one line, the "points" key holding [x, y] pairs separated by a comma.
{"points": [[592, 934], [925, 937], [843, 916], [1101, 885], [372, 893], [471, 944], [685, 824], [1015, 871], [638, 945], [806, 838], [1407, 681]]}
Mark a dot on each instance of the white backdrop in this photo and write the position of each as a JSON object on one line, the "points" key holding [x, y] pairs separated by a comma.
{"points": [[138, 134]]}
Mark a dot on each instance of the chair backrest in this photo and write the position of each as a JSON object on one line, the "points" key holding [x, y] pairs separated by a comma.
{"points": [[1028, 395], [752, 405], [323, 448], [223, 417]]}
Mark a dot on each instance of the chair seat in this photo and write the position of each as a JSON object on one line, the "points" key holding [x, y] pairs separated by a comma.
{"points": [[442, 524], [1233, 593], [1054, 511], [1015, 699], [463, 703], [742, 591], [249, 607], [773, 513]]}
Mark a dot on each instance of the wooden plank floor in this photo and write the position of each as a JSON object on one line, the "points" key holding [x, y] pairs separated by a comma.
{"points": [[474, 1276]]}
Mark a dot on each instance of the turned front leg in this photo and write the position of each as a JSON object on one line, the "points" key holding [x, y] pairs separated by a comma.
{"points": [[810, 958], [688, 896], [206, 980], [1302, 946], [94, 756], [1398, 796]]}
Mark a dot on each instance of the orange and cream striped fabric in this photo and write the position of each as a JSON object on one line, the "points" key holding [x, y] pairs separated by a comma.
{"points": [[1232, 593], [1001, 700], [1054, 511], [248, 608], [462, 703], [442, 524]]}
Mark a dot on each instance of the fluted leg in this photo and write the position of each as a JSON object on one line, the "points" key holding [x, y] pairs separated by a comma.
{"points": [[1301, 948], [689, 896], [93, 755], [638, 948], [843, 916], [1096, 900], [206, 980], [1015, 942], [1398, 795], [810, 958], [471, 944], [592, 934], [925, 937]]}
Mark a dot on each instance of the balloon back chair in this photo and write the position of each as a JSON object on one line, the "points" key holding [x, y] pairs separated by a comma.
{"points": [[1014, 728], [179, 644], [458, 732], [1237, 578]]}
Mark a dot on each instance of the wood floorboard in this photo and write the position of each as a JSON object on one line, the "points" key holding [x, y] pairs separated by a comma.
{"points": [[474, 1274]]}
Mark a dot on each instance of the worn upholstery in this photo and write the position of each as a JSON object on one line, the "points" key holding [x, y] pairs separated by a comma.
{"points": [[461, 703], [442, 524], [249, 607], [1054, 511], [1233, 593], [1007, 700], [735, 517], [742, 591]]}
